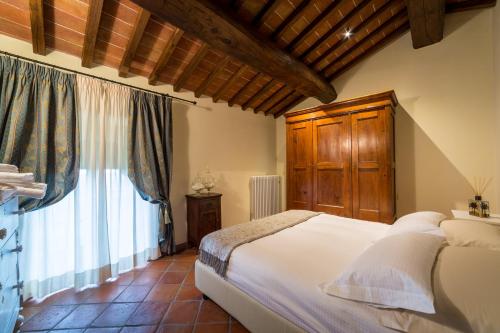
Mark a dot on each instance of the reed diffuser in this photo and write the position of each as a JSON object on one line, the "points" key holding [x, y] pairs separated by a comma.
{"points": [[478, 207]]}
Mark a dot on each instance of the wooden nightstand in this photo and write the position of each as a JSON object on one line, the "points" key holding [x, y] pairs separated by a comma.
{"points": [[464, 215], [203, 216]]}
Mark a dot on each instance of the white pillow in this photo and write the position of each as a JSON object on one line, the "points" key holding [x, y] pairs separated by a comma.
{"points": [[466, 288], [424, 222], [393, 272], [472, 234], [466, 295], [422, 217]]}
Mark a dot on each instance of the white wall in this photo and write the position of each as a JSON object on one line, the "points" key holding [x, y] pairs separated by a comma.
{"points": [[281, 157], [446, 124], [496, 57], [234, 144]]}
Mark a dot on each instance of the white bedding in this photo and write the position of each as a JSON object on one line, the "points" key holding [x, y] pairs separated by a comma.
{"points": [[283, 271]]}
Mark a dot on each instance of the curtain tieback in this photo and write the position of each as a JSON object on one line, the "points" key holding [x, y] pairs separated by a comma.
{"points": [[164, 211]]}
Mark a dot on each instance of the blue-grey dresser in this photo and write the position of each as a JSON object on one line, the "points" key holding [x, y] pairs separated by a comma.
{"points": [[10, 285]]}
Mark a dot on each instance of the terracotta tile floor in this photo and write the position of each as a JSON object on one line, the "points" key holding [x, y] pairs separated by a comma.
{"points": [[160, 297]]}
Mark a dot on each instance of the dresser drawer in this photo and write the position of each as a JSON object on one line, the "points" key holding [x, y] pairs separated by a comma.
{"points": [[9, 296], [9, 305], [8, 260], [8, 220]]}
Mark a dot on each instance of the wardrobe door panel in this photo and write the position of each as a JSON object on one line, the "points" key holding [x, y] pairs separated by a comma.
{"points": [[299, 148], [331, 166], [368, 190], [367, 137], [369, 166]]}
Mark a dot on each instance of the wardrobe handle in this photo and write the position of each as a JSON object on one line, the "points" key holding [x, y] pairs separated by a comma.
{"points": [[3, 233]]}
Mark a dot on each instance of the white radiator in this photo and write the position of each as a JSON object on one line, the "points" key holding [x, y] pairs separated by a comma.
{"points": [[264, 196]]}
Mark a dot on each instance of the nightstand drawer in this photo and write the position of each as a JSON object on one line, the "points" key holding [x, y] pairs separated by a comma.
{"points": [[209, 204]]}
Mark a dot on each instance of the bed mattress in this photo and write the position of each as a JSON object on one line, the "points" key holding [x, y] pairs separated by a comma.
{"points": [[283, 271]]}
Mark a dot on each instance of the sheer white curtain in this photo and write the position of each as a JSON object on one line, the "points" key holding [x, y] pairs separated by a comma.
{"points": [[103, 227]]}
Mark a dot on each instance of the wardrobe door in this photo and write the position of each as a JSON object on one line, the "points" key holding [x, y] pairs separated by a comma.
{"points": [[299, 185], [370, 175], [332, 166]]}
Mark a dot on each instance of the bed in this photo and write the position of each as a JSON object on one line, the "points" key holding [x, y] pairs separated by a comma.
{"points": [[271, 283]]}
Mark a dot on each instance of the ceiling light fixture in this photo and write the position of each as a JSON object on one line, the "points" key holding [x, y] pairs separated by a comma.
{"points": [[348, 33]]}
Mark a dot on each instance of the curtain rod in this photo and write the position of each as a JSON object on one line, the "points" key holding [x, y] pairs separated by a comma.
{"points": [[95, 77]]}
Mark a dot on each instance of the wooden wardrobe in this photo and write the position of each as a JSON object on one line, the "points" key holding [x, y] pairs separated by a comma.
{"points": [[340, 158]]}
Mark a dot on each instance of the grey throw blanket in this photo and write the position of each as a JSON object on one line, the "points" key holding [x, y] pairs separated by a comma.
{"points": [[216, 248]]}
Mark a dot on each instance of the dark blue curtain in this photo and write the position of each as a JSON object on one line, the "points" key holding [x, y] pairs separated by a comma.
{"points": [[150, 157], [39, 129]]}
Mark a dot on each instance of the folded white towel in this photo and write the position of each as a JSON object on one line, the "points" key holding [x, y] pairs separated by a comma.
{"points": [[8, 168], [7, 177], [6, 192], [14, 183], [31, 192], [32, 185], [27, 189]]}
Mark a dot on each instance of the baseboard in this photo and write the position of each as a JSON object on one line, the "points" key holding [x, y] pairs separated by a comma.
{"points": [[181, 247]]}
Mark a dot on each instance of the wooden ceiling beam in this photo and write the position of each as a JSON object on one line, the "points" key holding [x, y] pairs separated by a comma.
{"points": [[91, 29], [290, 19], [195, 61], [288, 106], [236, 4], [264, 89], [165, 55], [229, 83], [264, 12], [400, 18], [205, 20], [469, 5], [37, 26], [244, 89], [372, 49], [272, 100], [426, 21], [287, 22], [267, 110], [315, 24], [334, 29], [374, 16], [257, 21], [138, 30], [218, 68], [265, 101]]}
